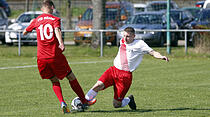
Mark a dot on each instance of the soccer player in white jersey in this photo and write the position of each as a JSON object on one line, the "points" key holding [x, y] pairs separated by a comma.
{"points": [[129, 57]]}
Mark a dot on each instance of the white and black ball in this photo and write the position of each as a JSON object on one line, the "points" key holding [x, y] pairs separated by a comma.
{"points": [[76, 104]]}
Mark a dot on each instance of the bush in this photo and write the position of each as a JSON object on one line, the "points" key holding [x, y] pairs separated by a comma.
{"points": [[202, 42]]}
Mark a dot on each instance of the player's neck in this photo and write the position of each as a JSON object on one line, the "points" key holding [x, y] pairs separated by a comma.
{"points": [[47, 11]]}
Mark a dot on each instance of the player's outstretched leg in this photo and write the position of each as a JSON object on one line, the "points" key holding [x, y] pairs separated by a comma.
{"points": [[132, 103], [78, 90], [91, 102], [91, 97], [64, 108], [76, 87], [92, 93]]}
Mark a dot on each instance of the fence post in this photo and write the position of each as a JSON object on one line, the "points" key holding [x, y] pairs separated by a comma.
{"points": [[19, 43], [101, 44], [185, 37], [168, 27]]}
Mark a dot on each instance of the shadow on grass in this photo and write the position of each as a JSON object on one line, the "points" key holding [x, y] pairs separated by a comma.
{"points": [[146, 110]]}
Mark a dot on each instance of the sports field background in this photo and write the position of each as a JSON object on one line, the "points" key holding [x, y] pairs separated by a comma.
{"points": [[178, 88]]}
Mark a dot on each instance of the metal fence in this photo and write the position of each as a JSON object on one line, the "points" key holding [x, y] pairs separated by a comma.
{"points": [[101, 37], [78, 7]]}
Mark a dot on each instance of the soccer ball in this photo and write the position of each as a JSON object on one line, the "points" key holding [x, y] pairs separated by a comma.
{"points": [[76, 104]]}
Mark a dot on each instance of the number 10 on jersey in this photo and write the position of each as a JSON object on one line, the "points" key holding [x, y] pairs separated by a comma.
{"points": [[44, 31]]}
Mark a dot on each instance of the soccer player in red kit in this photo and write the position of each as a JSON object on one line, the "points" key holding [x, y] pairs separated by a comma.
{"points": [[52, 64]]}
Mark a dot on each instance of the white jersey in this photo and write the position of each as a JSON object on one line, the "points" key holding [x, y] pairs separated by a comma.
{"points": [[130, 55]]}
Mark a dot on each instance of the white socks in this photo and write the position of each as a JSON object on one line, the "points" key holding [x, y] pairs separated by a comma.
{"points": [[125, 101], [91, 94]]}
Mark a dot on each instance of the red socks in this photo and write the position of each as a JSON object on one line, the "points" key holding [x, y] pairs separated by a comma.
{"points": [[58, 91], [78, 90]]}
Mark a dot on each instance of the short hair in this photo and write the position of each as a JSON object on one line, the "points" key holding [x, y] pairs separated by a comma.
{"points": [[130, 30], [47, 3]]}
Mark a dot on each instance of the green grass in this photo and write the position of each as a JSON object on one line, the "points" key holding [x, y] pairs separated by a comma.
{"points": [[178, 88]]}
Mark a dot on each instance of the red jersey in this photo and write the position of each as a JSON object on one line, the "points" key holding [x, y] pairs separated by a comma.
{"points": [[47, 43]]}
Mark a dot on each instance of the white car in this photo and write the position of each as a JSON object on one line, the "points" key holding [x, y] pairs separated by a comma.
{"points": [[3, 24], [139, 7], [206, 4], [20, 24]]}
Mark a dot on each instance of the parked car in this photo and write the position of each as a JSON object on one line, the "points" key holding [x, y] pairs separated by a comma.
{"points": [[21, 23], [183, 19], [199, 4], [150, 21], [3, 24], [139, 7], [206, 4], [193, 10], [203, 22], [6, 7], [160, 5], [116, 14]]}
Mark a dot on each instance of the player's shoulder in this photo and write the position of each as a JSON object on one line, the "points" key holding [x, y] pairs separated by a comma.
{"points": [[138, 41], [50, 16], [57, 18]]}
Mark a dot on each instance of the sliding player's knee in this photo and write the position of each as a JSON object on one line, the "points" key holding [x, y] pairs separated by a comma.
{"points": [[98, 86]]}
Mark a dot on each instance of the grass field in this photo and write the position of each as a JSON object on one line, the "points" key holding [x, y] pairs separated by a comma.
{"points": [[178, 88]]}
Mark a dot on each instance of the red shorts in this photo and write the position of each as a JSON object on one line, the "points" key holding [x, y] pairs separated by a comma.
{"points": [[120, 79], [58, 67]]}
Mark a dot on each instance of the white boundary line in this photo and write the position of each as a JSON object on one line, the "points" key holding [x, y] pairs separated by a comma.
{"points": [[29, 66]]}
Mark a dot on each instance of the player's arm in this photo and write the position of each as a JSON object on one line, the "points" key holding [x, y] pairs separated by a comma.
{"points": [[30, 27], [59, 37], [158, 55], [25, 32]]}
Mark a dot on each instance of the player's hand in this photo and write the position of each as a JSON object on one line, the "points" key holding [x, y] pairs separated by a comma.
{"points": [[61, 46], [165, 58]]}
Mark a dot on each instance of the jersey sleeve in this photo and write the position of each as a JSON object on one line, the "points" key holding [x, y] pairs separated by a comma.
{"points": [[57, 23], [145, 48], [31, 26]]}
